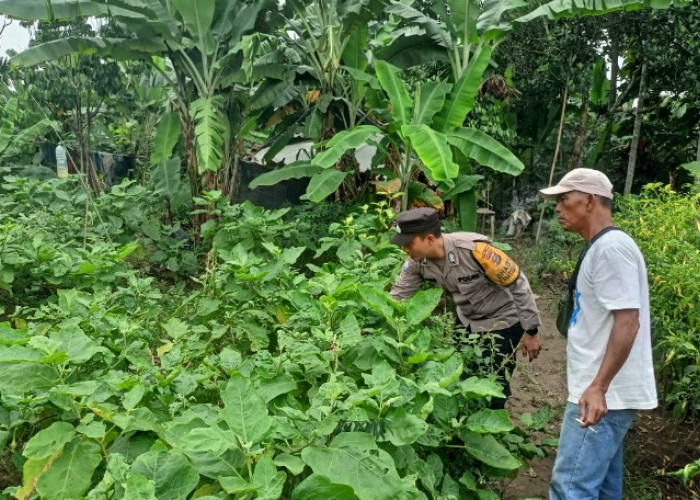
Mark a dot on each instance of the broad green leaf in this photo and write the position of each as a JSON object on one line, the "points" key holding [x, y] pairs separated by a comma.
{"points": [[485, 150], [409, 51], [475, 387], [139, 487], [464, 92], [377, 300], [693, 167], [419, 191], [342, 142], [402, 428], [489, 421], [317, 487], [269, 389], [600, 86], [463, 184], [113, 47], [354, 54], [93, 430], [209, 130], [349, 332], [10, 336], [422, 304], [134, 396], [175, 328], [433, 150], [165, 177], [294, 464], [173, 475], [165, 137], [323, 185], [538, 420], [401, 103], [21, 378], [464, 14], [432, 99], [236, 485], [268, 480], [20, 354], [486, 449], [207, 439], [79, 347], [197, 16], [70, 475], [48, 441], [353, 459], [560, 9], [245, 411], [489, 23], [291, 171]]}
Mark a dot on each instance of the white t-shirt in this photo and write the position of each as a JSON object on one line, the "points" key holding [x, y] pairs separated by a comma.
{"points": [[613, 276]]}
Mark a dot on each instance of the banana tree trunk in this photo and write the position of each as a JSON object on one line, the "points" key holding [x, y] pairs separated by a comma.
{"points": [[637, 132]]}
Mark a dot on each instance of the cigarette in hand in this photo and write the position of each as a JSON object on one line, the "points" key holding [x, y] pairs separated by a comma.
{"points": [[590, 427]]}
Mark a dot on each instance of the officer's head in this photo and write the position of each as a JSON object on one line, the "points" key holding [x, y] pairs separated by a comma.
{"points": [[582, 194], [417, 231]]}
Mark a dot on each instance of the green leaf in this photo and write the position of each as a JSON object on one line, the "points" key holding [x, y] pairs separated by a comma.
{"points": [[560, 9], [173, 475], [401, 102], [291, 171], [294, 464], [349, 332], [207, 439], [463, 184], [475, 387], [165, 137], [245, 411], [79, 347], [353, 459], [21, 378], [175, 328], [489, 421], [402, 428], [10, 336], [209, 130], [464, 92], [316, 487], [165, 177], [323, 185], [342, 142], [432, 99], [408, 51], [377, 300], [486, 449], [693, 167], [421, 305], [485, 150], [48, 441], [139, 487], [268, 480], [269, 389], [538, 420], [433, 150], [354, 54], [70, 475], [198, 16]]}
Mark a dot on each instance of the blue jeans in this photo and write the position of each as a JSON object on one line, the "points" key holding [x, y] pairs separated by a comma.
{"points": [[589, 464]]}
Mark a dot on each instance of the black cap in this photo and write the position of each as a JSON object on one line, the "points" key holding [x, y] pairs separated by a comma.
{"points": [[413, 222]]}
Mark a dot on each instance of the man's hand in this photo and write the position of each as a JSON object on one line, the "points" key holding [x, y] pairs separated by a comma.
{"points": [[592, 406], [531, 346]]}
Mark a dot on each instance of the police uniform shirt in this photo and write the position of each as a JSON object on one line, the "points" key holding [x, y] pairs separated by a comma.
{"points": [[486, 285]]}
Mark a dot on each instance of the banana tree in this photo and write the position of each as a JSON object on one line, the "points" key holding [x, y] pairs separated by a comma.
{"points": [[427, 129], [194, 44]]}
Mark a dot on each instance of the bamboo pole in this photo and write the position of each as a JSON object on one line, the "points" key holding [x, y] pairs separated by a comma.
{"points": [[556, 153]]}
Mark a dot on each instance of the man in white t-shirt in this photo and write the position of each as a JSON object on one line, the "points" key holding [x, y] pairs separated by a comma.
{"points": [[610, 373]]}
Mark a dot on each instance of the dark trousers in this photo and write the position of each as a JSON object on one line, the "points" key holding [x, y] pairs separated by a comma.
{"points": [[505, 343]]}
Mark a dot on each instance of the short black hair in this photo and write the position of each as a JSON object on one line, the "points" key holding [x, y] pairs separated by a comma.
{"points": [[437, 232], [606, 202]]}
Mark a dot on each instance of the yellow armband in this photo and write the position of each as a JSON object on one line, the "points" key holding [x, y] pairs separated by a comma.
{"points": [[498, 267]]}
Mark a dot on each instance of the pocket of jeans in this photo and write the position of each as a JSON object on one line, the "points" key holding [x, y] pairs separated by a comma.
{"points": [[620, 418]]}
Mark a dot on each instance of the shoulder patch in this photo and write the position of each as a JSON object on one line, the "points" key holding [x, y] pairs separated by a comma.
{"points": [[498, 267]]}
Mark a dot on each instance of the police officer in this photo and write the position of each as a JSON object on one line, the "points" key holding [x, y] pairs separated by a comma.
{"points": [[490, 292]]}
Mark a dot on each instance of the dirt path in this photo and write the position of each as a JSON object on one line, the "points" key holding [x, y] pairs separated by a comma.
{"points": [[535, 385]]}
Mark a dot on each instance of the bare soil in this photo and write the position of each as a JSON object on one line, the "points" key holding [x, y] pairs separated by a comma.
{"points": [[655, 445]]}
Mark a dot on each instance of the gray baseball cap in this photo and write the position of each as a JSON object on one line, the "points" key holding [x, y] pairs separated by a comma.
{"points": [[413, 222], [584, 180]]}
